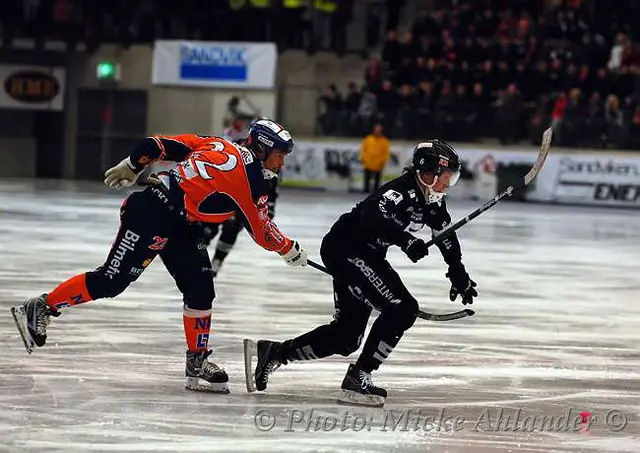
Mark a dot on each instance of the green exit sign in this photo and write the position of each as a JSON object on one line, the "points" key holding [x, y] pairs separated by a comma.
{"points": [[108, 71]]}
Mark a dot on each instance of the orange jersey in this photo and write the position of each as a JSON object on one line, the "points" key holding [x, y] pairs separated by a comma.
{"points": [[217, 180]]}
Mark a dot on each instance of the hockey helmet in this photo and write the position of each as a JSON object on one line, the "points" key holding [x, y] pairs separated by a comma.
{"points": [[439, 159], [266, 136]]}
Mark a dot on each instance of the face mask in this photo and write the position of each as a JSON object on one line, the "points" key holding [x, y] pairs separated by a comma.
{"points": [[268, 174], [435, 191]]}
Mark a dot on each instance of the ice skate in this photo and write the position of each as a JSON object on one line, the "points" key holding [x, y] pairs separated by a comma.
{"points": [[359, 390], [205, 376], [32, 319], [267, 362]]}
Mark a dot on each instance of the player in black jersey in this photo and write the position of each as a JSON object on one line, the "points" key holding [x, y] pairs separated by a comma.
{"points": [[354, 252]]}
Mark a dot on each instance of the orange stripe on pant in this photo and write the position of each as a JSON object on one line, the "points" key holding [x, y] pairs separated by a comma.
{"points": [[71, 292], [197, 324]]}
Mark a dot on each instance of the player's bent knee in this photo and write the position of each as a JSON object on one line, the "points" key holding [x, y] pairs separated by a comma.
{"points": [[404, 314], [348, 347], [230, 231]]}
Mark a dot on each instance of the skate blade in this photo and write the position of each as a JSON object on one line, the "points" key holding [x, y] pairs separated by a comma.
{"points": [[198, 385], [250, 351], [20, 318], [352, 398]]}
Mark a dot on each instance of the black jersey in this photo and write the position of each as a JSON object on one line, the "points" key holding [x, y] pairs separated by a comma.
{"points": [[390, 215]]}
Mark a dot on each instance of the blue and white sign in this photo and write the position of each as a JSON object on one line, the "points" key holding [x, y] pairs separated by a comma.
{"points": [[214, 64]]}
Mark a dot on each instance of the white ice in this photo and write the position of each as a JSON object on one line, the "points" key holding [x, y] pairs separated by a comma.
{"points": [[556, 331]]}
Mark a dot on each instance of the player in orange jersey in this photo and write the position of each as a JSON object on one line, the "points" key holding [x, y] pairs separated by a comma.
{"points": [[230, 229], [213, 181]]}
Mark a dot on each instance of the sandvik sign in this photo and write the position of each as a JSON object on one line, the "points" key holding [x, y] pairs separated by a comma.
{"points": [[214, 64]]}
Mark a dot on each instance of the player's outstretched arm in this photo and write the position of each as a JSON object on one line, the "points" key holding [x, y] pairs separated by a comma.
{"points": [[267, 235], [174, 148]]}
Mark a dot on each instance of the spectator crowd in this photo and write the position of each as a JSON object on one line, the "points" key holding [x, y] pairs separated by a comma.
{"points": [[463, 70], [503, 69], [309, 24]]}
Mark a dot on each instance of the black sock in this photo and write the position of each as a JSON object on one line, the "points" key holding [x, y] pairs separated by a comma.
{"points": [[378, 346], [313, 345]]}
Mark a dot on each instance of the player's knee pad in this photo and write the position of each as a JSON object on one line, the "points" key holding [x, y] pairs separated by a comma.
{"points": [[209, 232], [403, 315], [100, 283], [200, 296], [346, 340], [230, 230]]}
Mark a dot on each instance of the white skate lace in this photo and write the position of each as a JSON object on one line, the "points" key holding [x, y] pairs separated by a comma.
{"points": [[43, 316], [210, 369], [203, 367], [272, 367], [41, 324], [365, 380]]}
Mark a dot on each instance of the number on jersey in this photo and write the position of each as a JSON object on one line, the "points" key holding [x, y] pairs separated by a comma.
{"points": [[196, 167]]}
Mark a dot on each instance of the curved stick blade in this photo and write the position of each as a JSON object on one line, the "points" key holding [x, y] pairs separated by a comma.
{"points": [[542, 156]]}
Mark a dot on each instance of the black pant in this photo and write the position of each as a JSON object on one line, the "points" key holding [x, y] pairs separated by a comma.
{"points": [[148, 227], [363, 279], [368, 175]]}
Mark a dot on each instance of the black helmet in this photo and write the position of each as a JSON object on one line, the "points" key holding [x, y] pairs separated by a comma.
{"points": [[435, 156], [440, 159]]}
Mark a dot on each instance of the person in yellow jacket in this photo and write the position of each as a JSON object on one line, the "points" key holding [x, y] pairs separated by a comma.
{"points": [[374, 154]]}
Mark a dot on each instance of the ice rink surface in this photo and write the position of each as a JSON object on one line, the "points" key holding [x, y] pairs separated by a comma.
{"points": [[556, 333]]}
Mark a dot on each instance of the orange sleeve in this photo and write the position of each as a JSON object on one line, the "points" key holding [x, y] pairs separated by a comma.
{"points": [[263, 230]]}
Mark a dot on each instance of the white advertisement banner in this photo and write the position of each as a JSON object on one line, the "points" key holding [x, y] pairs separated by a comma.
{"points": [[32, 87], [305, 166], [597, 179], [313, 164], [214, 64], [567, 177]]}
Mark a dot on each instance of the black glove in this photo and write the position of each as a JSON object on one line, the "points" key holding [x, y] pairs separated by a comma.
{"points": [[416, 249], [462, 284]]}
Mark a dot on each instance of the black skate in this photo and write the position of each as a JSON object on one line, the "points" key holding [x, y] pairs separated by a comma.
{"points": [[32, 319], [267, 362], [359, 390], [205, 376]]}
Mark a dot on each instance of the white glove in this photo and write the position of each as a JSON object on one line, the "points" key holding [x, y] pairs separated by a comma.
{"points": [[296, 256], [122, 175]]}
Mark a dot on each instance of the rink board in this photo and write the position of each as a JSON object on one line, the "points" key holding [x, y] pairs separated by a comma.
{"points": [[604, 177]]}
